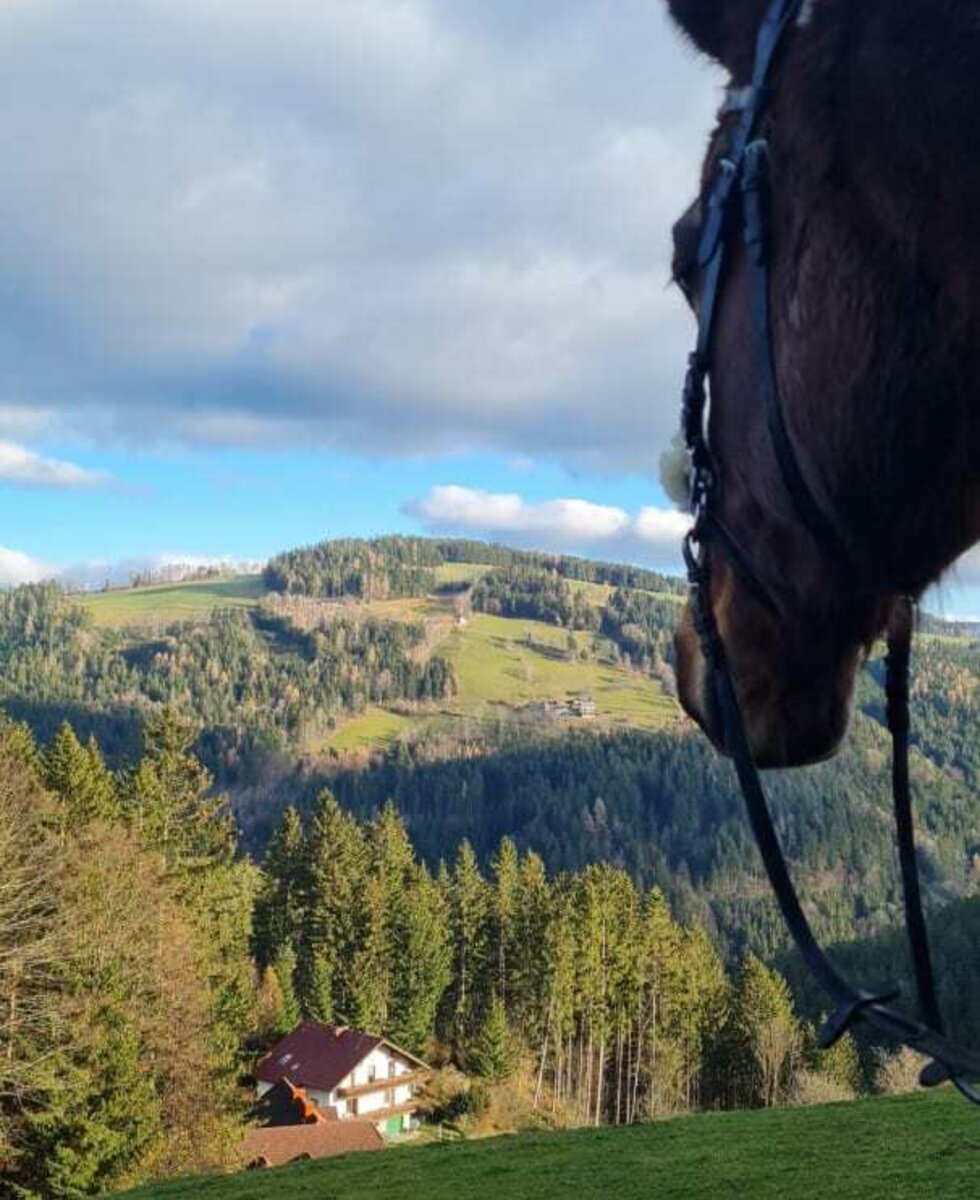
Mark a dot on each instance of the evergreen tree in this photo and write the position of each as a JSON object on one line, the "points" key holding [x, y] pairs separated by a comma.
{"points": [[331, 891], [493, 1054], [284, 968], [78, 775], [469, 910], [169, 800], [422, 962], [528, 967], [277, 913], [764, 1033], [505, 894], [101, 1119]]}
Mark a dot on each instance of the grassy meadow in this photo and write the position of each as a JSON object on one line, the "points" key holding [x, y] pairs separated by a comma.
{"points": [[164, 603], [912, 1148], [515, 662]]}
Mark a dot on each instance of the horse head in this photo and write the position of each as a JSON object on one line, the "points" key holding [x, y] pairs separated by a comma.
{"points": [[875, 292]]}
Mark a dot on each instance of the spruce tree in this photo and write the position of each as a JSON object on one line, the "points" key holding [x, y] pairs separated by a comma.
{"points": [[422, 962], [285, 971], [78, 775], [469, 911], [331, 895], [169, 798], [765, 1034], [493, 1054], [276, 918], [505, 890]]}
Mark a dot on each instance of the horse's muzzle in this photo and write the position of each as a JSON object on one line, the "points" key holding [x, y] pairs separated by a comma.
{"points": [[789, 721]]}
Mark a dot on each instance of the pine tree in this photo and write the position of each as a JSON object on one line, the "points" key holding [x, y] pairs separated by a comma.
{"points": [[102, 1118], [285, 971], [527, 971], [493, 1054], [331, 894], [276, 919], [390, 868], [469, 906], [505, 890], [422, 962], [765, 1033], [169, 799], [78, 775]]}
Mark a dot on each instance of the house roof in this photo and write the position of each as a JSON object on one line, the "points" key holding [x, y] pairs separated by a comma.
{"points": [[286, 1104], [271, 1146], [320, 1056]]}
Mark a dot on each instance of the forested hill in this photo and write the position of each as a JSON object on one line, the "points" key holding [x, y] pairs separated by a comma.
{"points": [[494, 692], [389, 567]]}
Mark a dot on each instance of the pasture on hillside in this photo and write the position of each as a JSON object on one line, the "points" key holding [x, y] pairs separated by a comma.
{"points": [[162, 604], [912, 1148]]}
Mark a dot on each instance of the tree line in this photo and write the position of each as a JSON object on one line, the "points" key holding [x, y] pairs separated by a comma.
{"points": [[665, 808], [388, 567], [624, 1012]]}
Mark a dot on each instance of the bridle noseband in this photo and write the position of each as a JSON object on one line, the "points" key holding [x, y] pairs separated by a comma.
{"points": [[742, 183]]}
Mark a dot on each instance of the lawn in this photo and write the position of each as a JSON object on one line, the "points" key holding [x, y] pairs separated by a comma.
{"points": [[912, 1148], [162, 604]]}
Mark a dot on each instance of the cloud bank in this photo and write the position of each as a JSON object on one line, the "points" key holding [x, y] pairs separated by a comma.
{"points": [[393, 226], [17, 568], [653, 535]]}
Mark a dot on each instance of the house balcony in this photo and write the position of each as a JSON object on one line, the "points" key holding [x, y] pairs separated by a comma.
{"points": [[382, 1084]]}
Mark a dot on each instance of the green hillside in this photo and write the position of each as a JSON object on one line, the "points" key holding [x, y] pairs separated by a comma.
{"points": [[162, 604], [501, 664], [915, 1147]]}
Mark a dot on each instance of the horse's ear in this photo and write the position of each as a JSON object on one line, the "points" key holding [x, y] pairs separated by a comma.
{"points": [[724, 29]]}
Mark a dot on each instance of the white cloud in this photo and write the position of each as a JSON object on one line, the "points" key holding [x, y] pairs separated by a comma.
{"points": [[23, 466], [393, 225], [661, 527], [652, 536], [453, 507], [17, 567]]}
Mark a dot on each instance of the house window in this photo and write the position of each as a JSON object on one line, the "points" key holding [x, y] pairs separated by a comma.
{"points": [[389, 1097], [392, 1068], [372, 1073]]}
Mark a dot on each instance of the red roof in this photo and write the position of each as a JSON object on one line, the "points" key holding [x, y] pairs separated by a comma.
{"points": [[273, 1145], [316, 1056]]}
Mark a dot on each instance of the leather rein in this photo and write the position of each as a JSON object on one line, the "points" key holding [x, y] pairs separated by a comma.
{"points": [[741, 187]]}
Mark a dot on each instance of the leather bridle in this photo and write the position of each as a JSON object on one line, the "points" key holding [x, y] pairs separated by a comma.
{"points": [[741, 186]]}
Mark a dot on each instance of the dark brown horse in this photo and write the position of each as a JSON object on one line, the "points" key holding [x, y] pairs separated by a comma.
{"points": [[874, 128]]}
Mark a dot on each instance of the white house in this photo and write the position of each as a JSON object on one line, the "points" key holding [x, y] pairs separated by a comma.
{"points": [[347, 1074]]}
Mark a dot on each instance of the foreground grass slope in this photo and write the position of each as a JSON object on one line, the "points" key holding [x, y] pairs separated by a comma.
{"points": [[915, 1147]]}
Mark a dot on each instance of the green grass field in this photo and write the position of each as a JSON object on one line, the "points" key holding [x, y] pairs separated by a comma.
{"points": [[515, 662], [372, 729], [165, 603], [447, 573], [914, 1148]]}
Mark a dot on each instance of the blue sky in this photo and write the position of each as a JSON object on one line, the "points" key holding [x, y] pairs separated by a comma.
{"points": [[275, 272], [278, 272]]}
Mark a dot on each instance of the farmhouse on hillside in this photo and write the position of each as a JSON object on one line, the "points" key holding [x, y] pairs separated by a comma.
{"points": [[344, 1075]]}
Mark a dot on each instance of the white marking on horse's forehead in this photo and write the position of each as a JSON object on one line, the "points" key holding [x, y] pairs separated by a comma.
{"points": [[806, 13]]}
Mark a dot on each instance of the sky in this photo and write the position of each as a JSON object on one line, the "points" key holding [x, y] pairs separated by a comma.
{"points": [[281, 270]]}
